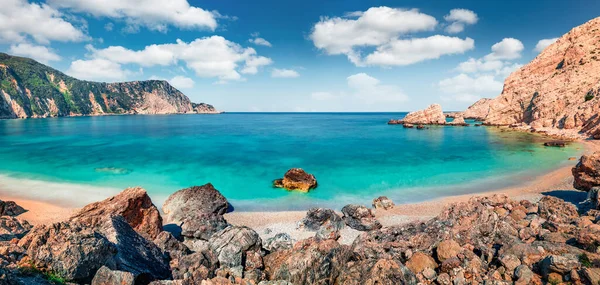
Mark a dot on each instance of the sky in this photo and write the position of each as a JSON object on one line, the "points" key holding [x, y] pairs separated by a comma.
{"points": [[295, 56]]}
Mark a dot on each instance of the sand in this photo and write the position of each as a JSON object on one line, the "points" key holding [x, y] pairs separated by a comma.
{"points": [[268, 224]]}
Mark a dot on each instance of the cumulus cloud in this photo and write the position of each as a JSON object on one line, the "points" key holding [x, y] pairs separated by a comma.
{"points": [[97, 69], [507, 49], [20, 19], [260, 42], [458, 18], [39, 53], [182, 82], [468, 89], [208, 57], [284, 73], [405, 52], [542, 44], [154, 14]]}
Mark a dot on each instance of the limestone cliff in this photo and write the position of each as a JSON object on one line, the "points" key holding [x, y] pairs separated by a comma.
{"points": [[29, 89], [558, 90]]}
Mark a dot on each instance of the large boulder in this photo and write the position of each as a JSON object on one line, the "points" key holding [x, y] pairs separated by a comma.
{"points": [[371, 271], [587, 172], [324, 221], [133, 204], [10, 208], [432, 115], [172, 246], [198, 210], [280, 241], [195, 267], [70, 250], [105, 276], [360, 218], [237, 248], [11, 227], [296, 179]]}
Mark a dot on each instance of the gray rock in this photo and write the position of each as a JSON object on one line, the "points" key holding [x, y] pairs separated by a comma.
{"points": [[237, 246], [360, 218], [558, 264], [325, 222], [10, 208], [523, 273], [196, 267], [11, 227], [383, 202], [169, 244], [280, 241], [105, 276]]}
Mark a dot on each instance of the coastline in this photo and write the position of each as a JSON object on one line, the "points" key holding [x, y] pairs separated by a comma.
{"points": [[267, 224]]}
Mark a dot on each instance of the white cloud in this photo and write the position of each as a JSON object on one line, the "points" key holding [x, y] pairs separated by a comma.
{"points": [[97, 69], [153, 14], [182, 82], [39, 53], [468, 89], [284, 73], [542, 44], [479, 65], [208, 57], [458, 18], [508, 69], [260, 42], [370, 90], [405, 52], [507, 49], [20, 19]]}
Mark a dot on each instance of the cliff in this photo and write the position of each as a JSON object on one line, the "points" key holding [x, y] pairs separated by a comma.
{"points": [[558, 90], [29, 89]]}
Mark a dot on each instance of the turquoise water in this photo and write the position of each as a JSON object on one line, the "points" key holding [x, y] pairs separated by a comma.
{"points": [[355, 157]]}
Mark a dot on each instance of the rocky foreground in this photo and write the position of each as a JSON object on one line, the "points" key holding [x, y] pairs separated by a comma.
{"points": [[487, 240]]}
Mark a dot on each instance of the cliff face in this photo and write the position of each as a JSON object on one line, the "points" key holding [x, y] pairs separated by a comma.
{"points": [[479, 110], [29, 89], [558, 89]]}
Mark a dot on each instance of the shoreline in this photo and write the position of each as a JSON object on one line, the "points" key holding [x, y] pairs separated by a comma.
{"points": [[268, 224]]}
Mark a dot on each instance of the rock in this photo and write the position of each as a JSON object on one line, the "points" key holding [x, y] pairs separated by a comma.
{"points": [[555, 209], [447, 249], [325, 222], [510, 262], [11, 228], [360, 218], [134, 254], [554, 278], [479, 110], [195, 267], [382, 271], [592, 275], [558, 264], [133, 204], [280, 241], [556, 143], [169, 244], [383, 202], [594, 197], [587, 172], [432, 115], [419, 261], [198, 210], [74, 251], [237, 247], [10, 208], [105, 276], [536, 94], [310, 261], [458, 121], [296, 179], [523, 274]]}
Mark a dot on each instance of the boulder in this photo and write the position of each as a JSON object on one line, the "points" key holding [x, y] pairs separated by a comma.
{"points": [[557, 210], [432, 115], [383, 202], [592, 275], [195, 267], [71, 250], [169, 244], [325, 222], [310, 261], [447, 249], [382, 271], [558, 264], [296, 179], [280, 241], [198, 210], [458, 121], [594, 197], [10, 208], [419, 261], [237, 247], [360, 218], [587, 172], [133, 204], [11, 227], [105, 276]]}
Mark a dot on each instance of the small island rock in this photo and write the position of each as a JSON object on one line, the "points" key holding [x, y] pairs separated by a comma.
{"points": [[296, 179]]}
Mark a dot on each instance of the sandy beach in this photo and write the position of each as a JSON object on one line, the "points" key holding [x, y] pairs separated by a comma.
{"points": [[268, 224]]}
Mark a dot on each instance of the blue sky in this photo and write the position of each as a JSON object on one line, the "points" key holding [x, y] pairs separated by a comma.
{"points": [[295, 55]]}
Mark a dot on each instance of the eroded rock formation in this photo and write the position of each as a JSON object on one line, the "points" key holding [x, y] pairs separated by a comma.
{"points": [[296, 179]]}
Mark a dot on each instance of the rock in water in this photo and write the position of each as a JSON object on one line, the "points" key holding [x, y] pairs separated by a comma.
{"points": [[383, 202], [133, 204], [10, 208], [458, 121], [556, 143], [360, 218], [198, 210], [432, 115], [296, 179], [587, 172]]}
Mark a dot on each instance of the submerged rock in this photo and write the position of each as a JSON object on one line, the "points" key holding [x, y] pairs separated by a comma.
{"points": [[587, 172], [133, 204], [296, 179], [360, 218], [556, 143]]}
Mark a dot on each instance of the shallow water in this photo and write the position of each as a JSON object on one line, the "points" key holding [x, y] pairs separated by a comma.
{"points": [[355, 157]]}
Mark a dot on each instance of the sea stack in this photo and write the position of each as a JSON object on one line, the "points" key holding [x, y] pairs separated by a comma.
{"points": [[296, 179]]}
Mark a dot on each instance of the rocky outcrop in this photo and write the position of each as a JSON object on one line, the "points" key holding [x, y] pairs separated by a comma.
{"points": [[360, 218], [133, 204], [458, 121], [238, 250], [479, 110], [11, 227], [587, 172], [10, 208], [558, 89], [432, 115], [383, 202], [296, 179], [30, 89], [198, 210], [325, 222]]}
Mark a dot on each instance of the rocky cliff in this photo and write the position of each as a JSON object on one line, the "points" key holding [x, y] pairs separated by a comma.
{"points": [[558, 90], [29, 89]]}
